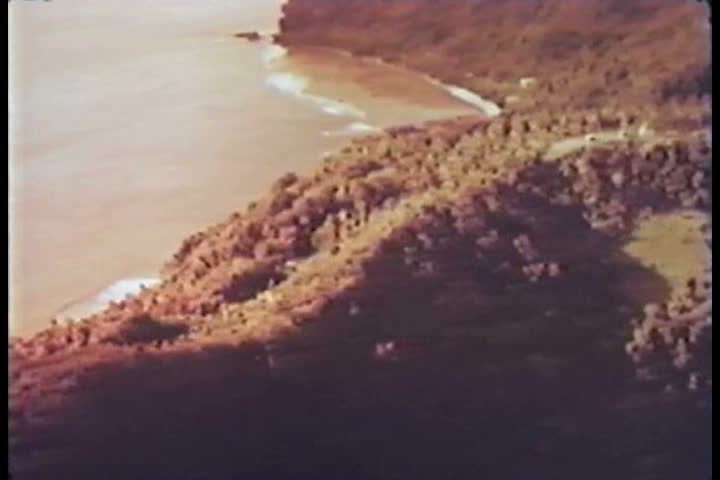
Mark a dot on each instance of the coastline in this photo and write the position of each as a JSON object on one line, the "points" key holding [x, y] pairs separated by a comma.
{"points": [[288, 80], [612, 30], [473, 99], [230, 343], [378, 278]]}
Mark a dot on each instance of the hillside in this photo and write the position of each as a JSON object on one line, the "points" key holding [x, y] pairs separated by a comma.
{"points": [[434, 300], [572, 54]]}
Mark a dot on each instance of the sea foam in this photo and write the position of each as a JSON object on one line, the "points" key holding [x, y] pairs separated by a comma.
{"points": [[335, 107], [273, 53], [352, 129], [288, 83], [490, 109], [122, 288], [112, 293], [295, 85]]}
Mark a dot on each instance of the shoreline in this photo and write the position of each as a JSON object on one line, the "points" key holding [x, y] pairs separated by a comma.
{"points": [[435, 276], [89, 305], [487, 107], [76, 310], [275, 52], [79, 148]]}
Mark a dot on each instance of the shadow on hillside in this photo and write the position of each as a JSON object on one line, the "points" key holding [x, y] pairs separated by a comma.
{"points": [[529, 381]]}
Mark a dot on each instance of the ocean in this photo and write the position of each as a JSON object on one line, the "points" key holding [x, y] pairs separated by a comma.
{"points": [[135, 123]]}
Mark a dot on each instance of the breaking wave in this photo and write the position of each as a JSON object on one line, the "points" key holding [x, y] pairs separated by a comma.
{"points": [[273, 53], [351, 129], [296, 85], [114, 292]]}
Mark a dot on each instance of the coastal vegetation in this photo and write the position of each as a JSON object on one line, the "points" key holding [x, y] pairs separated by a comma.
{"points": [[435, 300]]}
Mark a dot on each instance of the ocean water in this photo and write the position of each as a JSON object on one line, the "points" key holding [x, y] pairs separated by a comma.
{"points": [[135, 123]]}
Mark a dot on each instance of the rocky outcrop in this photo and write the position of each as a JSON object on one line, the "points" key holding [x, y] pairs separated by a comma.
{"points": [[249, 36]]}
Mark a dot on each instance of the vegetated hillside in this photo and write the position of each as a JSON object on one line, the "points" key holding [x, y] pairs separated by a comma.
{"points": [[433, 301], [460, 243], [580, 53]]}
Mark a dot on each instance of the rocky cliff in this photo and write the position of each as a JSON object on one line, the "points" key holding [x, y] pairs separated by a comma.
{"points": [[435, 300]]}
